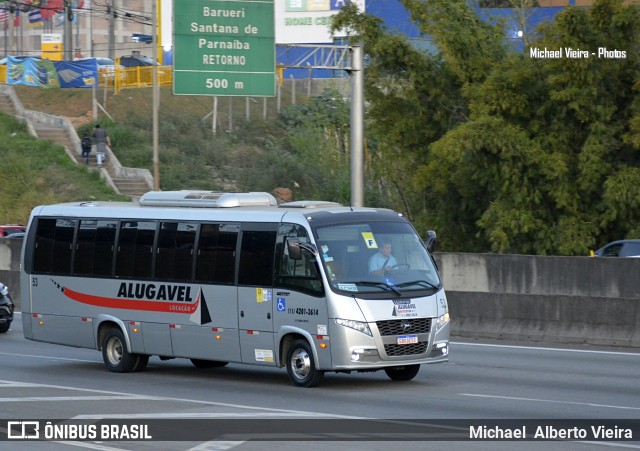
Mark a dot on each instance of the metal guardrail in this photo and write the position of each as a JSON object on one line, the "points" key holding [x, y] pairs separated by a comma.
{"points": [[135, 77]]}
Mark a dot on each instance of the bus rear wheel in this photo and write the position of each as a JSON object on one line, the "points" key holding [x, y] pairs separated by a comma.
{"points": [[200, 363], [301, 365], [115, 355], [402, 373]]}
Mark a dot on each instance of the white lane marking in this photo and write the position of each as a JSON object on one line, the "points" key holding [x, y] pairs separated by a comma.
{"points": [[48, 357], [615, 445], [575, 403], [181, 415], [77, 398], [80, 444], [215, 446], [92, 446], [193, 401], [539, 348]]}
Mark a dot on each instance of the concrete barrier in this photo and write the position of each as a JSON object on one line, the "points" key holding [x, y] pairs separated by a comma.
{"points": [[519, 297], [548, 299]]}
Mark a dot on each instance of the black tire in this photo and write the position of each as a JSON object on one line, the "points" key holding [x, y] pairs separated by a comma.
{"points": [[5, 327], [115, 355], [402, 373], [301, 365], [200, 363], [141, 364]]}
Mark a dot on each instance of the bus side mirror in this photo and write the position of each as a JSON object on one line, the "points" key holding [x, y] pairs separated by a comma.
{"points": [[295, 248], [431, 241], [295, 252]]}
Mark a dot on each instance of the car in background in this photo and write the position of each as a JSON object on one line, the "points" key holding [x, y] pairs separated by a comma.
{"points": [[6, 308], [620, 248], [136, 61], [10, 229]]}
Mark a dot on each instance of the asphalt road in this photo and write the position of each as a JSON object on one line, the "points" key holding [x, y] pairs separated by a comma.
{"points": [[482, 381]]}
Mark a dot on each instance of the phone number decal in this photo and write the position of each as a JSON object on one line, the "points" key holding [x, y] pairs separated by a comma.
{"points": [[303, 311]]}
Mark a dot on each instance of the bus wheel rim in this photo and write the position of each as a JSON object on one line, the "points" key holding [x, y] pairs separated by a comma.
{"points": [[114, 351], [301, 363]]}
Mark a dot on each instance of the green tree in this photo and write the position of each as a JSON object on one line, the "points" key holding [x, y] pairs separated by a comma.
{"points": [[577, 165], [521, 154]]}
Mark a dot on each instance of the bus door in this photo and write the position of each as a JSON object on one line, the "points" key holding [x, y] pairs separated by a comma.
{"points": [[299, 295], [255, 293]]}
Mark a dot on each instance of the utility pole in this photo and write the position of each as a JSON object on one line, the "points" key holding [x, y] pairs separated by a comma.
{"points": [[68, 31], [112, 29], [12, 12], [91, 29], [156, 95]]}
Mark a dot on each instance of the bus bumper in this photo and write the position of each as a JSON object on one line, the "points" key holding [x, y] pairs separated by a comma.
{"points": [[355, 351]]}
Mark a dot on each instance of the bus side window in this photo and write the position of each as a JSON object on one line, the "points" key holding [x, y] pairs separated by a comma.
{"points": [[216, 254], [45, 237], [174, 252], [105, 247], [135, 247], [95, 242], [256, 258], [300, 274], [54, 242]]}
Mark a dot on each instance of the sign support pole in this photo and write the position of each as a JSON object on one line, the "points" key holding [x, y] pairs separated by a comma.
{"points": [[356, 73]]}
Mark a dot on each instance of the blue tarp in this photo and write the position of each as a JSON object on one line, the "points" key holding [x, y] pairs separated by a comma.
{"points": [[48, 74], [77, 74], [31, 72]]}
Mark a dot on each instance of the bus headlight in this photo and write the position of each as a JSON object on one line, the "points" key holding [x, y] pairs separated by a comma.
{"points": [[355, 325], [442, 321]]}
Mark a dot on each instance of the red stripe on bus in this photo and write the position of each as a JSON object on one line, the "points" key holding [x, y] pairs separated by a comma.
{"points": [[133, 304]]}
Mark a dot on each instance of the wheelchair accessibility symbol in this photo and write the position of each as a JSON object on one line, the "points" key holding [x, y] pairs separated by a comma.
{"points": [[281, 304]]}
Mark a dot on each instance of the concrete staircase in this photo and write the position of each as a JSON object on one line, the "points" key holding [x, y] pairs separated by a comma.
{"points": [[127, 181], [6, 105]]}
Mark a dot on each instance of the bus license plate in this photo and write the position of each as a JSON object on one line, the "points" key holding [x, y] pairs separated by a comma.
{"points": [[407, 339]]}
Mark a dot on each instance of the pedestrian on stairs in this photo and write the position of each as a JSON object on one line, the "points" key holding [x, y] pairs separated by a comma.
{"points": [[86, 147], [102, 140]]}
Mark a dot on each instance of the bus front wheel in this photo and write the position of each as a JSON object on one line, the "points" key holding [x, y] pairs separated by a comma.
{"points": [[115, 355], [402, 373], [301, 366]]}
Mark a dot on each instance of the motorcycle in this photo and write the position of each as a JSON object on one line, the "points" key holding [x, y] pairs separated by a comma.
{"points": [[6, 308]]}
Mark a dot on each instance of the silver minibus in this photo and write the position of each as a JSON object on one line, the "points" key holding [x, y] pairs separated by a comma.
{"points": [[234, 277]]}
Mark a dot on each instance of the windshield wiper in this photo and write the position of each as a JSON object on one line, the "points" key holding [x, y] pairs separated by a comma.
{"points": [[378, 284], [418, 282]]}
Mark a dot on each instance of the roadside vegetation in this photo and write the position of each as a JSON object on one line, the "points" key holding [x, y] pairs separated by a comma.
{"points": [[36, 172]]}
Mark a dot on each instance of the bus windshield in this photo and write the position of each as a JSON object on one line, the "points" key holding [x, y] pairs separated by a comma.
{"points": [[376, 257]]}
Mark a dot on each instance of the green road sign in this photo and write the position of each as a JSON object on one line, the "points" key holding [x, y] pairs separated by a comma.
{"points": [[224, 47]]}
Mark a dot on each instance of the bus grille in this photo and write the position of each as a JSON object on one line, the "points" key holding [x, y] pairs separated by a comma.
{"points": [[397, 350], [397, 326]]}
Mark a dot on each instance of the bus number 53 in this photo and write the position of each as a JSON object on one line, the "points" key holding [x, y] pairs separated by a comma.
{"points": [[218, 83]]}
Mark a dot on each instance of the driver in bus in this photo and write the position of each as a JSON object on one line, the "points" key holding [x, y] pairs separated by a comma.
{"points": [[382, 261]]}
